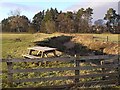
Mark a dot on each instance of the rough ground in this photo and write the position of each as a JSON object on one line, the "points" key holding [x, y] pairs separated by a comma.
{"points": [[105, 47]]}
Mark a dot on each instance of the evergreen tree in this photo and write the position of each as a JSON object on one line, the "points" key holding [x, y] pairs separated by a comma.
{"points": [[61, 23], [113, 20], [37, 19], [49, 23], [5, 25]]}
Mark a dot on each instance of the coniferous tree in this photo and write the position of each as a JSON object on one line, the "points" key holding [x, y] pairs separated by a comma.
{"points": [[5, 25], [49, 21], [113, 20], [37, 19]]}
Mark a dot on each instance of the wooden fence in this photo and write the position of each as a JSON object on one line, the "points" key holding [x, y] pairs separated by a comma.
{"points": [[108, 70], [105, 39]]}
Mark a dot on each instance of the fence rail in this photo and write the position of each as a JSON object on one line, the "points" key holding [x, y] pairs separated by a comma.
{"points": [[101, 38], [64, 59], [104, 39], [109, 73]]}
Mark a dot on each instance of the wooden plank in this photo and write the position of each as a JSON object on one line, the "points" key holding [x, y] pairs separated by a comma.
{"points": [[119, 73], [99, 82], [110, 61], [81, 84], [51, 87], [99, 75], [43, 49], [46, 79], [62, 59], [30, 56], [68, 86], [98, 57], [10, 74], [3, 60], [77, 72], [44, 69], [64, 77], [103, 70], [58, 87], [112, 67]]}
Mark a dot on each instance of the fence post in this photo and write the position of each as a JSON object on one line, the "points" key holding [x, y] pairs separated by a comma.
{"points": [[10, 75], [118, 71], [77, 72], [103, 69], [107, 38]]}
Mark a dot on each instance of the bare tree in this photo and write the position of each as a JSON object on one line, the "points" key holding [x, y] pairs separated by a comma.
{"points": [[15, 12]]}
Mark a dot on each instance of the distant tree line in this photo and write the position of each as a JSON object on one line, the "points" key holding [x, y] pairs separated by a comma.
{"points": [[51, 21]]}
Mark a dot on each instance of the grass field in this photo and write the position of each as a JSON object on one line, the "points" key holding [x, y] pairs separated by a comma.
{"points": [[17, 44], [111, 37]]}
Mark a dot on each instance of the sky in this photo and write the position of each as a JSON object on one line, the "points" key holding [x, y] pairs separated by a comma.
{"points": [[30, 7]]}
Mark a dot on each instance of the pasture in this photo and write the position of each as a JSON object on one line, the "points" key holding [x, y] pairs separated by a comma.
{"points": [[111, 37], [17, 44]]}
